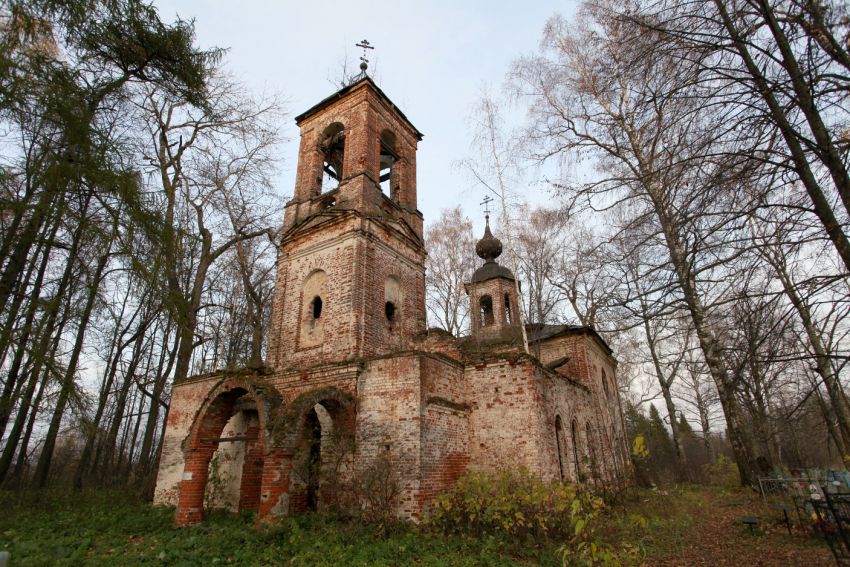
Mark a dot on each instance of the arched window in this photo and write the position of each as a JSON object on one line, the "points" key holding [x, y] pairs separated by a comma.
{"points": [[485, 305], [605, 384], [389, 157], [559, 442], [576, 462], [507, 309], [332, 146], [591, 448]]}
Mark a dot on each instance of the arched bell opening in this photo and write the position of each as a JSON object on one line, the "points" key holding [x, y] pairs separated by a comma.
{"points": [[224, 458], [332, 148], [387, 167], [485, 311]]}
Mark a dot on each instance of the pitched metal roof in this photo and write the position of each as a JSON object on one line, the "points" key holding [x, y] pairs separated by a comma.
{"points": [[344, 91]]}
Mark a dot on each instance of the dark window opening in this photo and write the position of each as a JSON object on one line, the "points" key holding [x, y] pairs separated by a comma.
{"points": [[387, 162], [559, 433], [486, 310], [317, 307], [574, 435], [507, 309], [333, 150], [591, 450], [605, 385], [328, 203], [389, 311]]}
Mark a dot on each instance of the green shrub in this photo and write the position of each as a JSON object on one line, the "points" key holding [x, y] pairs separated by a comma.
{"points": [[722, 472], [518, 506]]}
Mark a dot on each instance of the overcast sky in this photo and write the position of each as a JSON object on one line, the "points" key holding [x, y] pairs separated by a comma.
{"points": [[432, 58]]}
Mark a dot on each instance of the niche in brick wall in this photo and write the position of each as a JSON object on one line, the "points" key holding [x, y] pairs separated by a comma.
{"points": [[392, 301], [314, 310]]}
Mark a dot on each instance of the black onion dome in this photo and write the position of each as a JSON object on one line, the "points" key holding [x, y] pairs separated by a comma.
{"points": [[491, 270], [489, 247]]}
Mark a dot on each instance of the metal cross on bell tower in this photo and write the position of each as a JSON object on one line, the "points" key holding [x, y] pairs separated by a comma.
{"points": [[364, 62], [486, 203]]}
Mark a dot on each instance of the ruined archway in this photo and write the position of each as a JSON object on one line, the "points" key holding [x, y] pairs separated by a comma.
{"points": [[319, 440], [229, 431]]}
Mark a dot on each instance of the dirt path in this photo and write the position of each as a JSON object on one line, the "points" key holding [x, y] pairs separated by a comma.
{"points": [[718, 537]]}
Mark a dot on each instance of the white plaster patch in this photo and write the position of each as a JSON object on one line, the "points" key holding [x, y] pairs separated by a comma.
{"points": [[282, 506], [187, 475]]}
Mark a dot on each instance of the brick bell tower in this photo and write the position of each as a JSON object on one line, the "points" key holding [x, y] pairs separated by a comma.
{"points": [[492, 292], [350, 270]]}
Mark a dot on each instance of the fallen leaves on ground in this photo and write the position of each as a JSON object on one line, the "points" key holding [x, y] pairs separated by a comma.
{"points": [[717, 536]]}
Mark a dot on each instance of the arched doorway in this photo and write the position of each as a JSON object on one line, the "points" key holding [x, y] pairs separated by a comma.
{"points": [[322, 450], [224, 455]]}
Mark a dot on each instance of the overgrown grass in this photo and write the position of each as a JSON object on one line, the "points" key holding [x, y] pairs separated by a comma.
{"points": [[111, 528], [655, 520]]}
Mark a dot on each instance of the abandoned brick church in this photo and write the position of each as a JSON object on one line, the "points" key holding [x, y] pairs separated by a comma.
{"points": [[354, 381]]}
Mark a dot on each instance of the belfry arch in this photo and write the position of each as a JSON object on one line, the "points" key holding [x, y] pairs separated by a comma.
{"points": [[332, 149]]}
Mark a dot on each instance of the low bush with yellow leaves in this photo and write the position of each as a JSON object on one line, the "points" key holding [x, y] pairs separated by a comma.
{"points": [[517, 505], [723, 472], [513, 503]]}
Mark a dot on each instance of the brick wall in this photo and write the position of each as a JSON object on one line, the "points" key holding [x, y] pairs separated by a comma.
{"points": [[389, 422], [445, 426], [586, 361], [508, 417]]}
